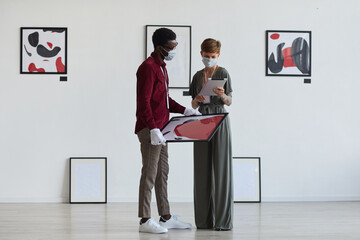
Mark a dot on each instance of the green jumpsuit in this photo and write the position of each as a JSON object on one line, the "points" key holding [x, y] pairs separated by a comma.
{"points": [[213, 187]]}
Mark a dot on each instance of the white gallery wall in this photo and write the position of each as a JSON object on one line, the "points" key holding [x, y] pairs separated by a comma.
{"points": [[307, 135]]}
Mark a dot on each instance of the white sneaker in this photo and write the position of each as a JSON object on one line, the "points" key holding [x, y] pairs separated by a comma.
{"points": [[150, 226], [174, 222]]}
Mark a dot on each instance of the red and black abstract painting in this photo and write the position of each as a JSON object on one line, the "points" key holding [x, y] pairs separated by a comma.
{"points": [[288, 53], [192, 128], [43, 50]]}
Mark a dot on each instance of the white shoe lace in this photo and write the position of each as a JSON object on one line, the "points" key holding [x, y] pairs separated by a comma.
{"points": [[175, 217], [153, 223], [177, 221]]}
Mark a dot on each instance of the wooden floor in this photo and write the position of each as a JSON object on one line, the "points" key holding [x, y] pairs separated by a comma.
{"points": [[280, 221]]}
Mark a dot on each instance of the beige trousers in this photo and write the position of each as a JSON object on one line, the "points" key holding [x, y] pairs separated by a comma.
{"points": [[154, 172]]}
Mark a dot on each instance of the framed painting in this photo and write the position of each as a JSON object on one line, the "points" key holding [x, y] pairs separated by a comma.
{"points": [[247, 179], [179, 68], [192, 128], [88, 180], [288, 53], [43, 50]]}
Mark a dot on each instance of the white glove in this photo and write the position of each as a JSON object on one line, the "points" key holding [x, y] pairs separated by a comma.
{"points": [[157, 137], [190, 111]]}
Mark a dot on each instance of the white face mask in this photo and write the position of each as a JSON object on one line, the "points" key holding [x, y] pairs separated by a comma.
{"points": [[171, 54], [209, 62]]}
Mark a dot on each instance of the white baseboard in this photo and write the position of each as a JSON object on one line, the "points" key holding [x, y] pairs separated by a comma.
{"points": [[34, 200], [189, 199], [128, 199], [310, 198]]}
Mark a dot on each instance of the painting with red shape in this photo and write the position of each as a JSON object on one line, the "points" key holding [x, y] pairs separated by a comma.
{"points": [[288, 61], [192, 128], [33, 68], [198, 129], [59, 65], [43, 50], [275, 36]]}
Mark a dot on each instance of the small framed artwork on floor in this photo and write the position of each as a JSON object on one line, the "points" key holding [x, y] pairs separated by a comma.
{"points": [[88, 180], [247, 179]]}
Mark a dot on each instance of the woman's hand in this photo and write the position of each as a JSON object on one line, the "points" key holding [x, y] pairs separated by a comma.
{"points": [[200, 98], [219, 91]]}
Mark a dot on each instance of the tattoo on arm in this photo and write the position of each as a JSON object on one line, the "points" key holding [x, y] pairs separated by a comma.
{"points": [[227, 100]]}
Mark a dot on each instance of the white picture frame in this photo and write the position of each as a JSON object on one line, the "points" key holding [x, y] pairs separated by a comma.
{"points": [[247, 179], [88, 180], [179, 69]]}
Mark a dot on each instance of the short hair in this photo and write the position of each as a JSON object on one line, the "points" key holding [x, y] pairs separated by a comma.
{"points": [[211, 46], [161, 36]]}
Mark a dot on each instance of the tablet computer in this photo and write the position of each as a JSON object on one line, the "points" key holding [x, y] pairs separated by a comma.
{"points": [[207, 89]]}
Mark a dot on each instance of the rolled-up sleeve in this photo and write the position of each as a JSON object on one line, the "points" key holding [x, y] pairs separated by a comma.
{"points": [[175, 107]]}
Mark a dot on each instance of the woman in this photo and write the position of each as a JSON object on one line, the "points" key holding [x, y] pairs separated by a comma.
{"points": [[213, 194]]}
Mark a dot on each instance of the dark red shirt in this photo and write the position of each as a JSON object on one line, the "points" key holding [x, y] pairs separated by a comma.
{"points": [[151, 107]]}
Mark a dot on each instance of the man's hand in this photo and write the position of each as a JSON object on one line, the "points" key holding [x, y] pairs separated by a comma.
{"points": [[190, 112], [157, 137]]}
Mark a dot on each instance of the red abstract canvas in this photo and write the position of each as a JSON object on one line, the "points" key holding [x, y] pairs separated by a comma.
{"points": [[192, 128]]}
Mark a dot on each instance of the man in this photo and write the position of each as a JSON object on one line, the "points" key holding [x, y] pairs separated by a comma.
{"points": [[153, 108]]}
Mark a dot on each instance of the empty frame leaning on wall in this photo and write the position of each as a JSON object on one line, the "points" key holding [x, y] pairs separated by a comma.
{"points": [[288, 53], [88, 180], [43, 50], [247, 179], [179, 69]]}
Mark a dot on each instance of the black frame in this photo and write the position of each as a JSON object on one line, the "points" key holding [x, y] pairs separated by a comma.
{"points": [[70, 160], [259, 163], [22, 48], [190, 43], [210, 136], [268, 72]]}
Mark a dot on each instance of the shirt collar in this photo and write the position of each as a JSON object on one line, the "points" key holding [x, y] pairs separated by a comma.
{"points": [[157, 60]]}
